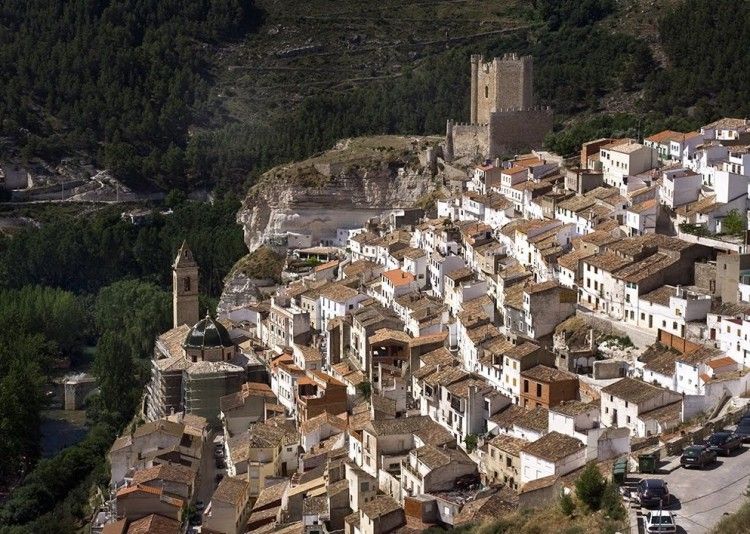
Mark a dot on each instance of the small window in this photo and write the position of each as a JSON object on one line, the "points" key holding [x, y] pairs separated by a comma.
{"points": [[186, 284], [486, 91]]}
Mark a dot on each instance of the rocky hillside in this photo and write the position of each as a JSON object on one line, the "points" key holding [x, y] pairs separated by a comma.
{"points": [[341, 188]]}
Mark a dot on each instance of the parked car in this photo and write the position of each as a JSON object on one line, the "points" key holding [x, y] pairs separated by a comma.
{"points": [[220, 464], [743, 430], [219, 453], [724, 442], [659, 521], [653, 492], [697, 456], [199, 506]]}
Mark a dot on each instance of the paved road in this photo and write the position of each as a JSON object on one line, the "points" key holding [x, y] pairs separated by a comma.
{"points": [[703, 497]]}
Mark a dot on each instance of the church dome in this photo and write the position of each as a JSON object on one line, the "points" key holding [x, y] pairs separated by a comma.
{"points": [[208, 333]]}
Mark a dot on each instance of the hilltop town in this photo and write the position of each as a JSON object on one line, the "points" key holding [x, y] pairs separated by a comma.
{"points": [[448, 364]]}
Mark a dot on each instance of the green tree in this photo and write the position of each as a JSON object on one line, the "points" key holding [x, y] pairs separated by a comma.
{"points": [[138, 310], [116, 372], [471, 442], [22, 399], [612, 502], [590, 486], [734, 223], [365, 389]]}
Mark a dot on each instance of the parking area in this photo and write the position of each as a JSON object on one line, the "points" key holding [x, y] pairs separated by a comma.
{"points": [[701, 497]]}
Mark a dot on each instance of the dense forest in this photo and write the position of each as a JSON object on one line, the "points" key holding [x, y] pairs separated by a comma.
{"points": [[127, 81], [120, 80], [81, 282]]}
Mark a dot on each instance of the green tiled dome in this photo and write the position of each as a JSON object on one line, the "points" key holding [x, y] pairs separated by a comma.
{"points": [[208, 333]]}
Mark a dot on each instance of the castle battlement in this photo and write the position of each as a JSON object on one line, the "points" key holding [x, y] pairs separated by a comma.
{"points": [[503, 116]]}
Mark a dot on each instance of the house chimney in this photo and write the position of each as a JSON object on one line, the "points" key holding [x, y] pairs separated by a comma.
{"points": [[497, 162], [677, 291]]}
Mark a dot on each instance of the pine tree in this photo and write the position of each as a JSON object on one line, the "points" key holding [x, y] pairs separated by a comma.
{"points": [[590, 486]]}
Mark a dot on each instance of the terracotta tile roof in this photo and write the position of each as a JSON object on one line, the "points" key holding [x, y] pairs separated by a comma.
{"points": [[379, 506], [515, 169], [664, 414], [460, 274], [388, 334], [508, 444], [507, 417], [173, 339], [338, 293], [607, 261], [445, 376], [487, 509], [173, 501], [166, 472], [270, 494], [664, 136], [728, 123], [160, 425], [482, 333], [626, 148], [413, 253], [554, 447], [118, 527], [539, 483], [360, 267], [420, 425], [660, 295], [327, 265], [231, 490], [536, 419], [519, 352], [573, 408], [249, 389], [701, 206], [632, 390], [721, 362], [647, 267], [643, 206], [570, 260], [434, 457], [543, 373], [428, 339], [398, 278], [154, 524], [461, 388], [541, 287], [513, 296], [382, 404], [318, 421]]}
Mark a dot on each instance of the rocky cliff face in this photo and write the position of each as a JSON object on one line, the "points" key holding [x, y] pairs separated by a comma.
{"points": [[341, 188]]}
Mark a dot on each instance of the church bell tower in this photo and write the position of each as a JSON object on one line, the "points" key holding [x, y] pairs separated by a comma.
{"points": [[185, 288]]}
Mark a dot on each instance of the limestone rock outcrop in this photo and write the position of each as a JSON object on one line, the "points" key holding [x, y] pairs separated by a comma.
{"points": [[341, 188]]}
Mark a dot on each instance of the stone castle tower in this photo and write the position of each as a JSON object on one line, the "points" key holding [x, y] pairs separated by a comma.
{"points": [[185, 288], [501, 84], [503, 119]]}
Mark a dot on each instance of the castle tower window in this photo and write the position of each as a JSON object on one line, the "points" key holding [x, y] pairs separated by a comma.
{"points": [[186, 286], [486, 91]]}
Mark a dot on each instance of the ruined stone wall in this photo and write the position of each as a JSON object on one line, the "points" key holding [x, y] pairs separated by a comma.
{"points": [[470, 140], [514, 130]]}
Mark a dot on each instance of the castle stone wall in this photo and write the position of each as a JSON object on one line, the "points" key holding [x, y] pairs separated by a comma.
{"points": [[470, 140], [513, 131]]}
